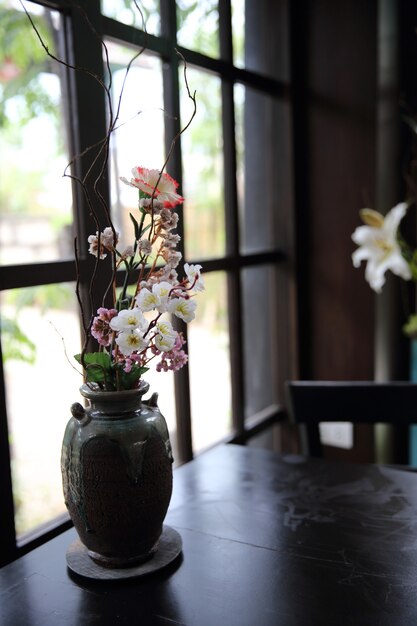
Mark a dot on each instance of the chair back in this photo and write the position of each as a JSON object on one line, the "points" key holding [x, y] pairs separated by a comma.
{"points": [[365, 402]]}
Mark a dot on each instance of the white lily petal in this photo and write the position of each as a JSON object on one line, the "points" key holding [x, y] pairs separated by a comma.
{"points": [[393, 218], [362, 234], [361, 254]]}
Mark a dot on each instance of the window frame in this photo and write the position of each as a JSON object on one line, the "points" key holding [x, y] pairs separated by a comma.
{"points": [[85, 132]]}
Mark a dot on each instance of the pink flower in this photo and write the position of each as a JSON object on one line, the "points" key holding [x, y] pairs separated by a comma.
{"points": [[100, 328], [128, 366], [147, 181]]}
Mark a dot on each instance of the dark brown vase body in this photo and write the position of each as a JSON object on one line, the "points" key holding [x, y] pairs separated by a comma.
{"points": [[117, 474]]}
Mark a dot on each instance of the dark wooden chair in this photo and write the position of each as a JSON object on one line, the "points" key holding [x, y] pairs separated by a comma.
{"points": [[312, 402]]}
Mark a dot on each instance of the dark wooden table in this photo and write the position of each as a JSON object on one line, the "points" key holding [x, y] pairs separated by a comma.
{"points": [[268, 540]]}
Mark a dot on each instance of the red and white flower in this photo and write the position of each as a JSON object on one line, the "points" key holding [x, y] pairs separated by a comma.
{"points": [[161, 187]]}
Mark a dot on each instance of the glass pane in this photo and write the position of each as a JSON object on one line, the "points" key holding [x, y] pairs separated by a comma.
{"points": [[126, 12], [139, 138], [261, 121], [209, 365], [202, 145], [40, 333], [35, 199], [238, 32], [198, 26], [163, 384], [259, 285], [264, 28]]}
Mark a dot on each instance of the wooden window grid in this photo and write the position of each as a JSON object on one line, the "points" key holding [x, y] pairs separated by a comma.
{"points": [[84, 132]]}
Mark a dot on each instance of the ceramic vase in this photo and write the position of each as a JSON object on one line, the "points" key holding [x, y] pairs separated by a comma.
{"points": [[117, 474]]}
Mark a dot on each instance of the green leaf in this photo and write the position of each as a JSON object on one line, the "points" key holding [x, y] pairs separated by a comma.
{"points": [[136, 226], [129, 380], [97, 367]]}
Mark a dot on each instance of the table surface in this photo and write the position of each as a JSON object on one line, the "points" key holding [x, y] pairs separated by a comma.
{"points": [[268, 540]]}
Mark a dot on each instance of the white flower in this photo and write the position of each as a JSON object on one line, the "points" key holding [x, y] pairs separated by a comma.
{"points": [[171, 240], [162, 291], [107, 238], [169, 274], [172, 257], [165, 343], [156, 299], [194, 275], [168, 219], [378, 245], [147, 204], [165, 328], [127, 252], [147, 300], [129, 319], [131, 341], [93, 249], [106, 242], [145, 247], [183, 308]]}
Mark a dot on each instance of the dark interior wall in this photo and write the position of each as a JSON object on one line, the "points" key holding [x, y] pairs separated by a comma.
{"points": [[352, 77], [341, 143]]}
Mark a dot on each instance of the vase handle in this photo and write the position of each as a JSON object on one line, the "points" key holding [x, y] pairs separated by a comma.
{"points": [[153, 401], [80, 414]]}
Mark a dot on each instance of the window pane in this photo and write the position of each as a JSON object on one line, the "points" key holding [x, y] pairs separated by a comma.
{"points": [[198, 26], [139, 138], [203, 169], [163, 384], [35, 199], [208, 349], [40, 334], [261, 122], [260, 332], [126, 12], [266, 44], [238, 32]]}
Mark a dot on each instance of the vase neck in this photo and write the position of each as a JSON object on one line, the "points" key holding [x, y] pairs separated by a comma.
{"points": [[114, 402]]}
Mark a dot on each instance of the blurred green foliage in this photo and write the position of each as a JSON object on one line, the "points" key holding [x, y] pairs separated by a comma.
{"points": [[22, 62], [15, 344]]}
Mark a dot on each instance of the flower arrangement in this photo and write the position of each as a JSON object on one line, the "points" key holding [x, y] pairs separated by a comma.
{"points": [[137, 328], [382, 246]]}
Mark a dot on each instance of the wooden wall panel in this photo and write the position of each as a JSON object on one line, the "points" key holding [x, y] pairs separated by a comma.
{"points": [[341, 122]]}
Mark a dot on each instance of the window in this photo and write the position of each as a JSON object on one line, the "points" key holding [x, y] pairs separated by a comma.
{"points": [[234, 169]]}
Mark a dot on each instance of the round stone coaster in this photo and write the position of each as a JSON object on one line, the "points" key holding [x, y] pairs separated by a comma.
{"points": [[170, 546]]}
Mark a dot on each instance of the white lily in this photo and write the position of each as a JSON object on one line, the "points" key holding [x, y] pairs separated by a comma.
{"points": [[378, 245]]}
